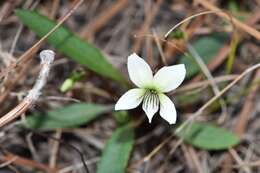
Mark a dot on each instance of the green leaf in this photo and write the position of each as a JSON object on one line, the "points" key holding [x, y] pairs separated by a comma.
{"points": [[122, 117], [207, 47], [70, 45], [233, 6], [209, 137], [70, 116], [117, 151], [71, 81], [232, 53], [177, 34], [67, 85]]}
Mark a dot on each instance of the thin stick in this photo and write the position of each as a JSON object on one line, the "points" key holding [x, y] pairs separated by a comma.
{"points": [[47, 57], [24, 63], [28, 52], [224, 51], [102, 19], [204, 83], [237, 23], [144, 28], [187, 19], [195, 159], [159, 48], [54, 145], [20, 28], [213, 99], [32, 148], [243, 119], [207, 73], [27, 55], [161, 39], [8, 162], [249, 164], [239, 160], [26, 162], [79, 165]]}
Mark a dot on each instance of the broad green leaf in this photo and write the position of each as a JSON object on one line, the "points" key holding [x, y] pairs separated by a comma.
{"points": [[117, 151], [70, 116], [207, 47], [209, 137], [70, 45]]}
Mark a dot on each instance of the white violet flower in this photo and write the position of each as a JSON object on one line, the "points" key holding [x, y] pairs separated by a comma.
{"points": [[151, 88]]}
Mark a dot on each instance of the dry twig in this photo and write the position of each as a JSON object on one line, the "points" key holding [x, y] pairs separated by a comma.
{"points": [[26, 162], [148, 21], [29, 53], [242, 121], [91, 28], [47, 57], [240, 25]]}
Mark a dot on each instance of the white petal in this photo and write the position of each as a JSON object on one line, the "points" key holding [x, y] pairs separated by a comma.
{"points": [[139, 71], [167, 109], [131, 99], [150, 104], [170, 77]]}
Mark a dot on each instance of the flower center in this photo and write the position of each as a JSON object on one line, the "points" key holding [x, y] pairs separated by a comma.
{"points": [[152, 91]]}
